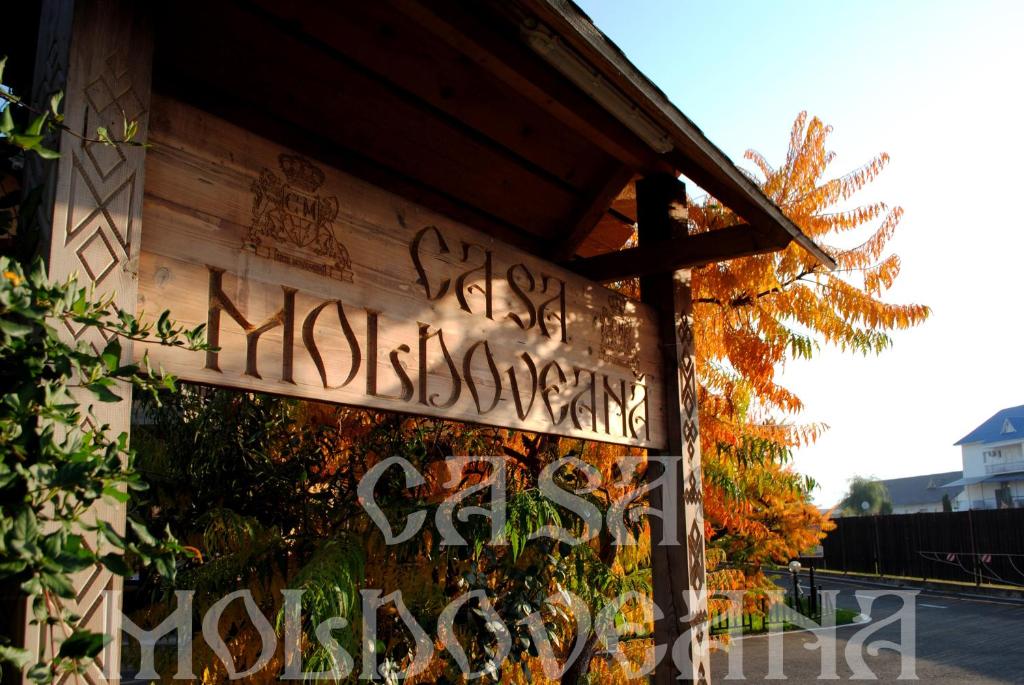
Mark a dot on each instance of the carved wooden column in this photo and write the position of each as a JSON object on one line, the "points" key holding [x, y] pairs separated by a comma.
{"points": [[680, 587], [99, 52]]}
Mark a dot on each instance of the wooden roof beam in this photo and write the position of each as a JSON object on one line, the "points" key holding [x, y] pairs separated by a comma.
{"points": [[683, 253], [595, 208]]}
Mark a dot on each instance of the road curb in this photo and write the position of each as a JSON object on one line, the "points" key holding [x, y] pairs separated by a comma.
{"points": [[857, 622]]}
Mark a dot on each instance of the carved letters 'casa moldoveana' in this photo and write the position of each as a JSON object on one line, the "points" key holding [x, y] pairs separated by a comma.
{"points": [[316, 284]]}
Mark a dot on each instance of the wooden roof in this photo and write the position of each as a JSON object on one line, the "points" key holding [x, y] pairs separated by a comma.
{"points": [[517, 117]]}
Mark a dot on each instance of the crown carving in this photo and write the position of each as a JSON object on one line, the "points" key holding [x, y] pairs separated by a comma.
{"points": [[300, 173]]}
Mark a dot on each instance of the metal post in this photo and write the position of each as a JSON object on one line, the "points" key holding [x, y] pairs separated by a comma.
{"points": [[878, 550], [975, 569], [842, 542], [814, 597]]}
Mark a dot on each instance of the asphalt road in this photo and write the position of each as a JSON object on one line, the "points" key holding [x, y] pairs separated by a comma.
{"points": [[945, 640]]}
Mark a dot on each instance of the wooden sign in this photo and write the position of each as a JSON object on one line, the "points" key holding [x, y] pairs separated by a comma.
{"points": [[318, 285]]}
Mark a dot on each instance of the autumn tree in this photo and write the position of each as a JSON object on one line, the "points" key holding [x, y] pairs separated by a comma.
{"points": [[755, 314], [265, 488]]}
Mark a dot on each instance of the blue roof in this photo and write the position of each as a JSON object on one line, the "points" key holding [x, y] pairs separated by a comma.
{"points": [[992, 429]]}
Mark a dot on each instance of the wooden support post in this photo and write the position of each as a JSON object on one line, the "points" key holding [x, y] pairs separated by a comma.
{"points": [[99, 52], [680, 587]]}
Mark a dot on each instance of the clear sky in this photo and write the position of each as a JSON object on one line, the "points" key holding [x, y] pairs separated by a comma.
{"points": [[938, 85]]}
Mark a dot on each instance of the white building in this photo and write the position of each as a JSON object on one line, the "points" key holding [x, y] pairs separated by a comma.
{"points": [[993, 458]]}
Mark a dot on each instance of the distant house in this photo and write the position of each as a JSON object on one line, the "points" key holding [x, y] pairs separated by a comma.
{"points": [[917, 494], [993, 457]]}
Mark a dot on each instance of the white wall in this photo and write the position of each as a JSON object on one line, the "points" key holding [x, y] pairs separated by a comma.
{"points": [[986, 492], [916, 508], [984, 459]]}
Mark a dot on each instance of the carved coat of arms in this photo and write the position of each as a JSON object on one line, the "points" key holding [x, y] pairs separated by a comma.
{"points": [[293, 224], [620, 333]]}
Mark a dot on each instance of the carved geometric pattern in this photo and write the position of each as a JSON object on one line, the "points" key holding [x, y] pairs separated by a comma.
{"points": [[693, 493], [91, 606], [74, 329], [101, 220], [689, 396], [113, 210], [695, 552], [87, 425], [685, 332], [105, 159], [688, 388], [98, 54], [690, 435], [97, 256], [113, 99], [97, 339]]}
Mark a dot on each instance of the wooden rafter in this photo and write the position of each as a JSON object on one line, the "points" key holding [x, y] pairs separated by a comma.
{"points": [[682, 253], [596, 207]]}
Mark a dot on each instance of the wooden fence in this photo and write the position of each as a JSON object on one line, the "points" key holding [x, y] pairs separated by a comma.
{"points": [[981, 547]]}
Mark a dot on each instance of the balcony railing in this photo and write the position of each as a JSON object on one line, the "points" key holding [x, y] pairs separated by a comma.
{"points": [[1005, 468], [991, 503]]}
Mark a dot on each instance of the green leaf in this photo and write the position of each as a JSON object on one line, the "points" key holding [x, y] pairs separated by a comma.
{"points": [[36, 127], [15, 655], [26, 141], [6, 121], [163, 324], [111, 354], [116, 564], [100, 389], [58, 583], [40, 673], [131, 129], [60, 546], [164, 565], [25, 530], [111, 535], [83, 644], [112, 492], [12, 566], [55, 101], [142, 532], [15, 329]]}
